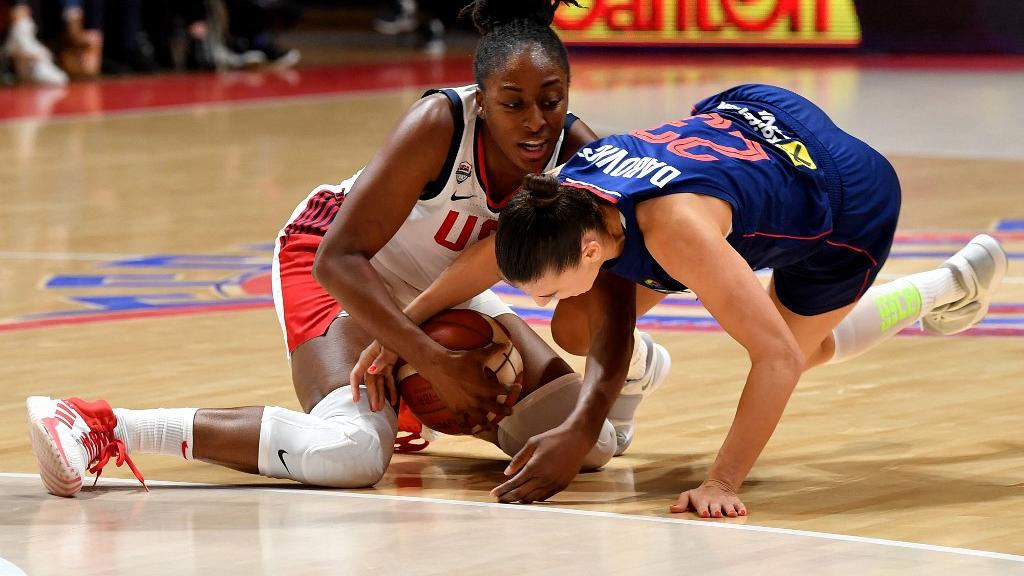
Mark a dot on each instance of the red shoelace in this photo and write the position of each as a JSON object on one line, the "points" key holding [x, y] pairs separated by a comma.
{"points": [[101, 442]]}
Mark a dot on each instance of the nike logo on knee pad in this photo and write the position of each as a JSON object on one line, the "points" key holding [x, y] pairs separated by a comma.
{"points": [[280, 455]]}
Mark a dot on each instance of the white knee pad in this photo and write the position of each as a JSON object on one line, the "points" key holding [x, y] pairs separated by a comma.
{"points": [[341, 443], [547, 407]]}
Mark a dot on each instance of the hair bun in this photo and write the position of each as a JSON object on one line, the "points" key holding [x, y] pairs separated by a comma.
{"points": [[541, 190], [489, 14]]}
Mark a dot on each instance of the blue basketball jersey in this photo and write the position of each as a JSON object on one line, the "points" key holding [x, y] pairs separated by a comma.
{"points": [[749, 147]]}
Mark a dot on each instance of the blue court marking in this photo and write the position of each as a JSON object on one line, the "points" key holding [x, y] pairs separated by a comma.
{"points": [[942, 254], [1010, 225], [192, 262], [124, 281]]}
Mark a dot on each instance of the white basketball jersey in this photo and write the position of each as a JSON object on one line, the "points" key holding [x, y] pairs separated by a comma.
{"points": [[452, 213]]}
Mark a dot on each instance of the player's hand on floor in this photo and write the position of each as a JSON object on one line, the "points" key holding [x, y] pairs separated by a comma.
{"points": [[544, 467], [376, 370], [469, 389], [712, 499]]}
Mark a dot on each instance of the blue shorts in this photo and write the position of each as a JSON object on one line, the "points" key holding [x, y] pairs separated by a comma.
{"points": [[865, 195]]}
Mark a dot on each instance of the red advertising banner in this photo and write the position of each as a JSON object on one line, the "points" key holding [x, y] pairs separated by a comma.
{"points": [[810, 23]]}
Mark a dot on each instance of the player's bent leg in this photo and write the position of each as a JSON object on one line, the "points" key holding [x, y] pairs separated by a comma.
{"points": [[570, 325], [649, 367], [547, 408], [813, 333], [946, 300], [541, 363], [649, 363], [340, 443]]}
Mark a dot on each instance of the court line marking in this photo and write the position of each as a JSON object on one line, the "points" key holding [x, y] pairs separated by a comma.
{"points": [[573, 512], [202, 107]]}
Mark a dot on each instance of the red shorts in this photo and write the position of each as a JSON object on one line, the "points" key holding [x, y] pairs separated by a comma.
{"points": [[305, 309]]}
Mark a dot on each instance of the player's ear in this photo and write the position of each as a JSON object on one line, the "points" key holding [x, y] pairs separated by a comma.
{"points": [[591, 250]]}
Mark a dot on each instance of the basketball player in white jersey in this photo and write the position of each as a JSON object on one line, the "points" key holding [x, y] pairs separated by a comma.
{"points": [[342, 278]]}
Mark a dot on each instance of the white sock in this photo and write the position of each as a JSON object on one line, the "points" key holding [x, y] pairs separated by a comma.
{"points": [[159, 431], [886, 309], [638, 361]]}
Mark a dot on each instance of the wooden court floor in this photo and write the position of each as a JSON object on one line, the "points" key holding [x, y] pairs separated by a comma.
{"points": [[134, 253]]}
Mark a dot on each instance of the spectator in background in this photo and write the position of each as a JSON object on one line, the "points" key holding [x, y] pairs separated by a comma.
{"points": [[252, 25], [31, 61], [81, 52], [161, 19], [407, 16]]}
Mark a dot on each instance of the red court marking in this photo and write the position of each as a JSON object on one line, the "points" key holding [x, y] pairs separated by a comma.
{"points": [[176, 90], [129, 315], [591, 69]]}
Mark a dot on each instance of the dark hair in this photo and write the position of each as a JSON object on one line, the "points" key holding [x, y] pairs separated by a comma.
{"points": [[540, 229], [508, 25]]}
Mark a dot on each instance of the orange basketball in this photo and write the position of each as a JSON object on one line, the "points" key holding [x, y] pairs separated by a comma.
{"points": [[457, 330]]}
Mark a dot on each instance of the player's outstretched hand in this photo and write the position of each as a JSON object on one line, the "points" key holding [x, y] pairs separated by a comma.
{"points": [[375, 369], [469, 389], [712, 499], [544, 467]]}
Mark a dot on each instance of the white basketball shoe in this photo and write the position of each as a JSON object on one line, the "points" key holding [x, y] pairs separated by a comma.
{"points": [[979, 267], [622, 413], [71, 435]]}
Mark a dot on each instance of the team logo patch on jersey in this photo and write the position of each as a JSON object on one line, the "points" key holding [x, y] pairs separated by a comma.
{"points": [[464, 171], [764, 122]]}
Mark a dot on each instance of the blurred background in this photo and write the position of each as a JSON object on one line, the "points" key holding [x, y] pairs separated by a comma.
{"points": [[52, 42]]}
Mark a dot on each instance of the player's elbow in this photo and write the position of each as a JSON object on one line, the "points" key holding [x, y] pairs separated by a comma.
{"points": [[324, 265]]}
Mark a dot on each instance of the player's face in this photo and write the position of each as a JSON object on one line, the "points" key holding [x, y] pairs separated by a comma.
{"points": [[567, 283], [524, 107]]}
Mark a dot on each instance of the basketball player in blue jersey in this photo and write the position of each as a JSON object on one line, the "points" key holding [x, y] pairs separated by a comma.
{"points": [[758, 177], [350, 269]]}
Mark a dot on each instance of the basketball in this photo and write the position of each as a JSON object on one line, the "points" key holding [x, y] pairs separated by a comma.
{"points": [[458, 330]]}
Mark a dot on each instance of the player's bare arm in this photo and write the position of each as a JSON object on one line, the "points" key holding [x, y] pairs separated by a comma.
{"points": [[380, 202], [474, 271], [549, 462], [735, 297]]}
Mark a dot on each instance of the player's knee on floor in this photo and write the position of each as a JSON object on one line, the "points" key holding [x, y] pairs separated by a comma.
{"points": [[341, 444], [548, 407], [566, 330]]}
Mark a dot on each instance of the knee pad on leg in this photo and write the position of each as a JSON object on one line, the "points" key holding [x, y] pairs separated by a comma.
{"points": [[548, 407], [341, 443]]}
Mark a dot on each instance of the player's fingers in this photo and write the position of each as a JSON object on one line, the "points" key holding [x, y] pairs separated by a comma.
{"points": [[517, 489], [731, 509], [682, 503], [547, 491], [715, 509], [520, 459], [355, 378], [493, 408], [702, 509], [513, 389], [372, 392], [392, 388], [496, 347], [354, 385], [741, 509]]}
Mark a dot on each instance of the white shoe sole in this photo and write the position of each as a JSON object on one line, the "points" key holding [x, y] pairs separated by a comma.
{"points": [[983, 295], [59, 478]]}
